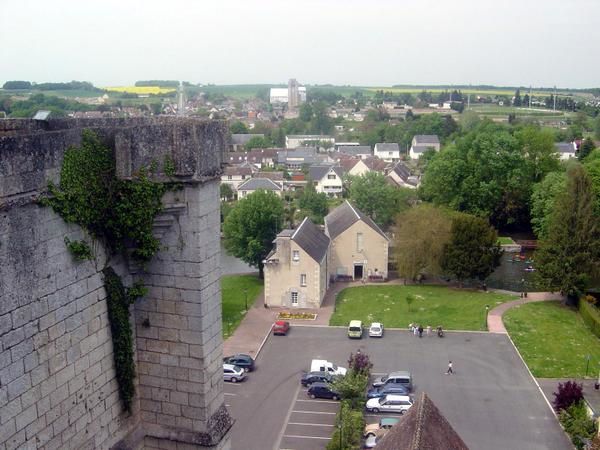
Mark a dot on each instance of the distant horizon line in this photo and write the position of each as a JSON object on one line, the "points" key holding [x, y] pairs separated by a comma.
{"points": [[363, 86]]}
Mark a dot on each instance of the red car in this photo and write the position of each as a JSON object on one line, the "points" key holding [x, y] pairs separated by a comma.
{"points": [[281, 327]]}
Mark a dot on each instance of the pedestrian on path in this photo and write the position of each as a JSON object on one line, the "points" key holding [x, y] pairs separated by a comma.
{"points": [[449, 371], [428, 330], [420, 331], [416, 330]]}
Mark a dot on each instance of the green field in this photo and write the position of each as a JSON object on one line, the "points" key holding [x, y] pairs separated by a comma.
{"points": [[233, 299], [553, 340], [453, 309], [503, 240]]}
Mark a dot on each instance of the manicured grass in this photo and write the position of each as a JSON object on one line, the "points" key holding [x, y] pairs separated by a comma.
{"points": [[553, 340], [453, 309], [504, 240], [233, 299]]}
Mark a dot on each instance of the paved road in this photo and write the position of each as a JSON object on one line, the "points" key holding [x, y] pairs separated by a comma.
{"points": [[491, 401]]}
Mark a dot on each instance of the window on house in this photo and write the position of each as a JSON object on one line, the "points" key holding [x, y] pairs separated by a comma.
{"points": [[229, 177], [243, 193], [294, 298], [296, 255], [303, 279], [243, 177], [331, 176], [390, 153], [359, 242]]}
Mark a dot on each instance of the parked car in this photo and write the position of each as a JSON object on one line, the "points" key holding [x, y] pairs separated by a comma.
{"points": [[389, 403], [313, 377], [244, 361], [385, 423], [355, 329], [397, 389], [321, 365], [400, 377], [322, 390], [233, 373], [281, 328], [376, 329]]}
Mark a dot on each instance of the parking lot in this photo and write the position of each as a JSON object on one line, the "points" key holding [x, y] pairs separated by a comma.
{"points": [[491, 400]]}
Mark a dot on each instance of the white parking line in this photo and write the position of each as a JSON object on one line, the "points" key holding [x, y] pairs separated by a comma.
{"points": [[227, 393], [287, 418], [310, 424], [306, 437], [314, 412]]}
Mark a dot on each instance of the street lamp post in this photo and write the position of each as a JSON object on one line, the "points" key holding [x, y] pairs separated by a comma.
{"points": [[597, 383], [246, 298], [341, 425]]}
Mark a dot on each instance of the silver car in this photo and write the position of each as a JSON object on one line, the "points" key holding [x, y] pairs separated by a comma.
{"points": [[233, 373]]}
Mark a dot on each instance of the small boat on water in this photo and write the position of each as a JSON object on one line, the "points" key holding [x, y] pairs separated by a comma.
{"points": [[529, 269]]}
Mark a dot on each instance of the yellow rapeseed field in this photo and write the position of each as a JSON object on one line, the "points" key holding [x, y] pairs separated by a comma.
{"points": [[140, 89]]}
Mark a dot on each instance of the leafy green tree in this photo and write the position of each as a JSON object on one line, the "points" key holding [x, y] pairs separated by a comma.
{"points": [[16, 85], [305, 113], [586, 148], [410, 299], [420, 235], [597, 127], [313, 204], [226, 192], [473, 250], [251, 226], [543, 198], [538, 149], [484, 173], [374, 196], [570, 253], [257, 142], [592, 167], [578, 424], [238, 127]]}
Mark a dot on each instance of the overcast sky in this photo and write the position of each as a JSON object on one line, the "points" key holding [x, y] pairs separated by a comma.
{"points": [[356, 42]]}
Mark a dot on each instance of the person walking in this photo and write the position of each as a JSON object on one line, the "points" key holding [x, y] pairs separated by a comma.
{"points": [[420, 331], [416, 329], [428, 330], [449, 371]]}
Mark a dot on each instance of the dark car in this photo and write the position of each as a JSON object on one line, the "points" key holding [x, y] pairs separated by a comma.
{"points": [[244, 361], [315, 377], [281, 328], [322, 390], [384, 390]]}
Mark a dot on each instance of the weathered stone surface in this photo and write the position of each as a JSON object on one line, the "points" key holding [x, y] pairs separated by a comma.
{"points": [[57, 376]]}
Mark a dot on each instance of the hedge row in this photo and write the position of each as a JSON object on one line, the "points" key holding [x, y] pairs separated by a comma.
{"points": [[590, 315]]}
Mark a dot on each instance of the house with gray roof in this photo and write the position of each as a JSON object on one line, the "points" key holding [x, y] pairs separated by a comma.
{"points": [[423, 142], [565, 150], [254, 184], [295, 270], [400, 176], [295, 158], [327, 179], [234, 175], [359, 248], [387, 151], [357, 151]]}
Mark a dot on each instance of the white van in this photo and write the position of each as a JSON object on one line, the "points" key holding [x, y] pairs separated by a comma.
{"points": [[355, 329], [321, 365]]}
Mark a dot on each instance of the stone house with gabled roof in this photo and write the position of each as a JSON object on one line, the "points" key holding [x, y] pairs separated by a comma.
{"points": [[401, 177], [254, 184], [387, 151], [296, 269], [327, 179], [359, 248], [423, 142]]}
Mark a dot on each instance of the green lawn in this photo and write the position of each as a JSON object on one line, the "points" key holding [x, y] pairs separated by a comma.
{"points": [[233, 299], [504, 240], [453, 309], [553, 340]]}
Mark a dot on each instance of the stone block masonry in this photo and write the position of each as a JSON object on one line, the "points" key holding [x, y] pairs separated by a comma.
{"points": [[57, 378]]}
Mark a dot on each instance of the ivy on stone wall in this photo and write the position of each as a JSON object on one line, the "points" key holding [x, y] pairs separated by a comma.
{"points": [[118, 300], [119, 212]]}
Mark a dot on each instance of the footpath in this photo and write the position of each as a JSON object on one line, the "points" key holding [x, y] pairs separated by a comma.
{"points": [[494, 318]]}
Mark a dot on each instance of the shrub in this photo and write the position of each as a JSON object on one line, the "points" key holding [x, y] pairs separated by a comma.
{"points": [[349, 426], [578, 424], [360, 363], [590, 315], [568, 393]]}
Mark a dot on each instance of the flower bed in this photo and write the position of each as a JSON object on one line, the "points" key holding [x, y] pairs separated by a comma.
{"points": [[285, 315]]}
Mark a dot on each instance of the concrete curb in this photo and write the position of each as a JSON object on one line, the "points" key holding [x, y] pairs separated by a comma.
{"points": [[433, 332]]}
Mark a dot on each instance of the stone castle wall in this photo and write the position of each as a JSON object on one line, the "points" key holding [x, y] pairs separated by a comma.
{"points": [[57, 376]]}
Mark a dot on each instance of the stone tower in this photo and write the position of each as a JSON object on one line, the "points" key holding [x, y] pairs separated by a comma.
{"points": [[58, 388], [293, 95]]}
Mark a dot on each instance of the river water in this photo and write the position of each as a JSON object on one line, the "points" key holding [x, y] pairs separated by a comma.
{"points": [[511, 275]]}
